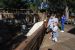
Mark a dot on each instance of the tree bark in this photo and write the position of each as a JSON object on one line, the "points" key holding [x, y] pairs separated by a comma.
{"points": [[67, 12]]}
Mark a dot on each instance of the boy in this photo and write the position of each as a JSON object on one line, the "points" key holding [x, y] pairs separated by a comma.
{"points": [[55, 32]]}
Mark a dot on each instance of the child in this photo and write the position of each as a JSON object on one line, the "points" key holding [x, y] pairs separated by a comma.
{"points": [[55, 32]]}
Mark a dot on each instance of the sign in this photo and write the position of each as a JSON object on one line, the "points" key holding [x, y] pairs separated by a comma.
{"points": [[43, 5]]}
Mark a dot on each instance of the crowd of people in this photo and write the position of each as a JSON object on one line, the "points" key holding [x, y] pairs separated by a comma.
{"points": [[53, 26]]}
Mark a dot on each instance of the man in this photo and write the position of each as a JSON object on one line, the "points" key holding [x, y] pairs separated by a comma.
{"points": [[63, 19], [55, 19], [52, 20]]}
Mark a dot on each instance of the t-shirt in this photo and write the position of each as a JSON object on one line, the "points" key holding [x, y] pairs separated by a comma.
{"points": [[55, 28], [56, 20], [51, 21], [63, 19]]}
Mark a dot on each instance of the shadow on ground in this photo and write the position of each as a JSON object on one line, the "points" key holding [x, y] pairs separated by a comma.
{"points": [[72, 31], [49, 49]]}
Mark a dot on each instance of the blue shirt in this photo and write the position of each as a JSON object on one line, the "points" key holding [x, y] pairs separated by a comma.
{"points": [[63, 19]]}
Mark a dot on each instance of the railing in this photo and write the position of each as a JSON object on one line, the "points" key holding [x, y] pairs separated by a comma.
{"points": [[33, 41]]}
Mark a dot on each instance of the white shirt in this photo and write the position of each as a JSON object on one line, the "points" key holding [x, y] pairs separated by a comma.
{"points": [[55, 29], [50, 22], [55, 20]]}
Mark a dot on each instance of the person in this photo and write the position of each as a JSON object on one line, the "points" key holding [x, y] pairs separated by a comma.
{"points": [[50, 25], [55, 19], [55, 32], [63, 19], [50, 22], [52, 19]]}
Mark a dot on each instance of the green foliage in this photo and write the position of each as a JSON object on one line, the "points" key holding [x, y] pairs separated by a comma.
{"points": [[33, 6], [58, 5], [55, 5], [13, 4]]}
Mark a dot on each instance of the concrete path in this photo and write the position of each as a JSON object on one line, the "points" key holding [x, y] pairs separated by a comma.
{"points": [[66, 41]]}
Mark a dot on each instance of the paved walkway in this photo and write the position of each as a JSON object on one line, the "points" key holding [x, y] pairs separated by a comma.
{"points": [[66, 41]]}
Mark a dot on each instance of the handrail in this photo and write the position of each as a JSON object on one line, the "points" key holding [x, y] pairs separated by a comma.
{"points": [[33, 41]]}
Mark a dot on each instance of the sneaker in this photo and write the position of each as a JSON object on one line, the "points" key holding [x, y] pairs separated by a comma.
{"points": [[55, 39], [62, 31]]}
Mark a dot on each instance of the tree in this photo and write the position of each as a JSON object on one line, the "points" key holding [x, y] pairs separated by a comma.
{"points": [[13, 4], [56, 5], [61, 4]]}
